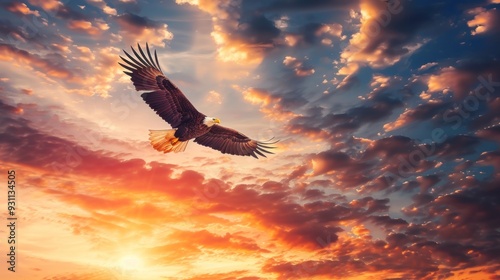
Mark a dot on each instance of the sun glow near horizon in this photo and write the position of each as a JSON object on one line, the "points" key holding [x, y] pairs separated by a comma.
{"points": [[131, 263]]}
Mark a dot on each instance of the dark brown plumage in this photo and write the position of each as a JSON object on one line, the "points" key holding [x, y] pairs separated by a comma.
{"points": [[172, 106]]}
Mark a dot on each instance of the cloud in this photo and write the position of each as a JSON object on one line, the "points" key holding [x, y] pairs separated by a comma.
{"points": [[463, 78], [44, 65], [492, 132], [16, 34], [27, 91], [489, 118], [484, 21], [47, 5], [379, 107], [491, 158], [97, 80], [105, 8], [190, 2], [239, 38], [334, 29], [298, 66], [269, 104], [423, 112], [20, 9], [390, 147], [386, 35], [134, 28], [214, 97], [459, 145], [70, 12], [333, 161], [452, 79], [88, 27], [313, 33], [84, 54], [192, 241], [318, 5], [427, 66], [349, 81]]}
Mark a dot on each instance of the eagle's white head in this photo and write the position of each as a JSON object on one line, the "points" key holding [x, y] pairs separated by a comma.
{"points": [[209, 121]]}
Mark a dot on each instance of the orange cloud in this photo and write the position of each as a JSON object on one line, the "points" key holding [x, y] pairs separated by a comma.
{"points": [[484, 20], [105, 8], [99, 78], [97, 27], [84, 54], [298, 66], [234, 50], [269, 104], [427, 66], [226, 30], [9, 53], [258, 96], [380, 81], [373, 44], [400, 122], [292, 39], [334, 29], [48, 5], [21, 8], [451, 79], [87, 81]]}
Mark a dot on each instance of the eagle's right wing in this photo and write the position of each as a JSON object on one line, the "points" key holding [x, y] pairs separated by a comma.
{"points": [[165, 98], [230, 141]]}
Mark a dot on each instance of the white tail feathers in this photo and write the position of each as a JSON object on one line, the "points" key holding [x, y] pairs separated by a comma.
{"points": [[165, 141]]}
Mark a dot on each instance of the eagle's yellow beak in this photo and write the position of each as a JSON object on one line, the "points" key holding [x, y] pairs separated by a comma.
{"points": [[216, 120]]}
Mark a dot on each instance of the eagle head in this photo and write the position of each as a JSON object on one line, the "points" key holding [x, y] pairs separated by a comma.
{"points": [[209, 121]]}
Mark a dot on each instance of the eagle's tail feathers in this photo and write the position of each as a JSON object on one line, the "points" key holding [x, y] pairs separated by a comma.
{"points": [[180, 146], [166, 142]]}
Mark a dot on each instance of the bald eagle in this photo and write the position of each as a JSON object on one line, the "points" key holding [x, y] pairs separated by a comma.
{"points": [[187, 123]]}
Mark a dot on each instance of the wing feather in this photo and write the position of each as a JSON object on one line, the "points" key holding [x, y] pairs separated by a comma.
{"points": [[164, 97], [144, 63], [135, 62], [230, 141], [260, 154], [151, 58], [224, 146], [247, 148], [157, 63], [239, 149], [126, 67]]}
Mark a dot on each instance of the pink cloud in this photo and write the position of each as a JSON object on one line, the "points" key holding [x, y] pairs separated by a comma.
{"points": [[21, 9]]}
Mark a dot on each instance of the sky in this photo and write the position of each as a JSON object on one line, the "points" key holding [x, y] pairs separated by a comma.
{"points": [[388, 115]]}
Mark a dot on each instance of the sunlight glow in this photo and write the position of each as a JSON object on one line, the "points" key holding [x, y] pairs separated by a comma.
{"points": [[130, 263]]}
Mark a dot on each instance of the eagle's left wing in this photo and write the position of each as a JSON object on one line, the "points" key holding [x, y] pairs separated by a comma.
{"points": [[165, 98], [230, 141]]}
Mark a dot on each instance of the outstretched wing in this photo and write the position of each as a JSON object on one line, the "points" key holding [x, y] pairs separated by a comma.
{"points": [[230, 141], [165, 98]]}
